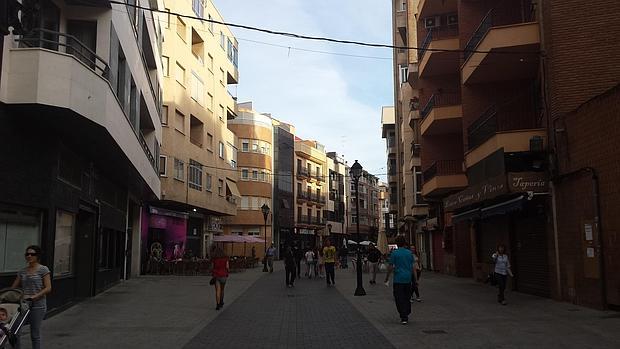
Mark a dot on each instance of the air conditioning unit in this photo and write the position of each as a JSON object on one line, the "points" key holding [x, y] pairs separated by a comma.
{"points": [[432, 22], [453, 19]]}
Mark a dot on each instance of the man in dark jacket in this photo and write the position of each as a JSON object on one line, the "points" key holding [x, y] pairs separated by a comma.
{"points": [[374, 255], [299, 255], [289, 266]]}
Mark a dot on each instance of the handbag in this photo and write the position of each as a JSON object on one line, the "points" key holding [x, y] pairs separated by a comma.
{"points": [[212, 281]]}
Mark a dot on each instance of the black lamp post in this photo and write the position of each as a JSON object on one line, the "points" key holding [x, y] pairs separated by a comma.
{"points": [[356, 173], [265, 210]]}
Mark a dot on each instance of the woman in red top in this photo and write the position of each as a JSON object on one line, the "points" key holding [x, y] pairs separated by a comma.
{"points": [[220, 274]]}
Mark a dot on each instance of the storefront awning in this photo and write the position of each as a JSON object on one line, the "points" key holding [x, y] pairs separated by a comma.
{"points": [[471, 214], [511, 205], [232, 186]]}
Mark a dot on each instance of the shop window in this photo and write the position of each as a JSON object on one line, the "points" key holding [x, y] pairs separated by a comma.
{"points": [[17, 231], [64, 243]]}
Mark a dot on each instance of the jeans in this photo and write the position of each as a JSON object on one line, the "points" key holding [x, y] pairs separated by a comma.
{"points": [[373, 271], [290, 274], [402, 294], [270, 263], [35, 319], [298, 265], [329, 271], [501, 285]]}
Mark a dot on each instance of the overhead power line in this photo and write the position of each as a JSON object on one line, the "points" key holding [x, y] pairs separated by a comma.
{"points": [[317, 38]]}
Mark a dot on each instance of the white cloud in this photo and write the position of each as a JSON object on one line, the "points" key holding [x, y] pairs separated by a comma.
{"points": [[319, 94]]}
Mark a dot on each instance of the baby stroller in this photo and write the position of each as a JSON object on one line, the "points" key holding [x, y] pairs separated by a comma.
{"points": [[18, 309]]}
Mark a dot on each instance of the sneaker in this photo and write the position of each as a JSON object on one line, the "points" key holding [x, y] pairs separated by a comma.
{"points": [[419, 300], [387, 284], [403, 321], [218, 307], [504, 303]]}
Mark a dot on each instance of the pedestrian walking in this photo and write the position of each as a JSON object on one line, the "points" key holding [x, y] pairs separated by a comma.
{"points": [[310, 263], [219, 274], [415, 278], [290, 266], [36, 283], [329, 258], [401, 263], [374, 255], [320, 262], [271, 252], [502, 270], [343, 253], [299, 255]]}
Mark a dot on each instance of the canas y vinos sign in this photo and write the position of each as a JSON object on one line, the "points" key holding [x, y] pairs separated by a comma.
{"points": [[476, 193]]}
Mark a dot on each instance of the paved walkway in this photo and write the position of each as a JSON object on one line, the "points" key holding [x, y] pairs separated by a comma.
{"points": [[260, 312], [459, 313]]}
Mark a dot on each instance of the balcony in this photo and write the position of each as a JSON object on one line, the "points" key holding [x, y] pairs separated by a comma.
{"points": [[57, 71], [427, 8], [443, 177], [303, 173], [509, 127], [442, 114], [505, 46], [434, 62], [310, 220]]}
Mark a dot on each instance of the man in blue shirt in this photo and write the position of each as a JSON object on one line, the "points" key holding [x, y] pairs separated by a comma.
{"points": [[401, 263]]}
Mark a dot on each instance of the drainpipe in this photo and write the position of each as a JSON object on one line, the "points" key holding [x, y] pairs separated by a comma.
{"points": [[556, 240]]}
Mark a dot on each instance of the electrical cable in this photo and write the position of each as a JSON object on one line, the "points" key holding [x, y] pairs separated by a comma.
{"points": [[317, 38]]}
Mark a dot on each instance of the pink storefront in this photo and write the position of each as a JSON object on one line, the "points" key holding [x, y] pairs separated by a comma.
{"points": [[164, 233]]}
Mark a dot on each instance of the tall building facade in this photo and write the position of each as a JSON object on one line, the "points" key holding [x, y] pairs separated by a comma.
{"points": [[388, 132], [255, 165], [310, 192], [198, 161], [283, 184], [336, 212], [369, 209], [80, 106], [406, 163]]}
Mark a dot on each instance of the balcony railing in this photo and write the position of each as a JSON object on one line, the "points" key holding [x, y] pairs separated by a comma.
{"points": [[147, 150], [50, 39], [310, 220], [442, 168], [517, 115], [438, 33], [303, 172], [440, 100], [498, 16]]}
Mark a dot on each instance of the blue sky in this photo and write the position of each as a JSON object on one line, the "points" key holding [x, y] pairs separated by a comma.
{"points": [[334, 99]]}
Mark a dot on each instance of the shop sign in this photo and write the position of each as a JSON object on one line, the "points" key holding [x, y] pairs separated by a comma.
{"points": [[520, 182], [477, 193]]}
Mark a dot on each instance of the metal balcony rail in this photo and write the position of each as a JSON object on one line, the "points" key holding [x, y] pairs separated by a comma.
{"points": [[438, 33], [311, 220], [147, 150], [303, 172], [50, 39], [443, 99], [442, 168], [506, 14], [516, 115]]}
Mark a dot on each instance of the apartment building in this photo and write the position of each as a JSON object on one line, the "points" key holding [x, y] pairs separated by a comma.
{"points": [[198, 161], [255, 163], [369, 209], [388, 132], [80, 107], [310, 192], [336, 212], [283, 184]]}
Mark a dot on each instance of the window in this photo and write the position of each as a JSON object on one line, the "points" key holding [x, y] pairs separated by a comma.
{"points": [[245, 174], [403, 72], [210, 62], [235, 57], [179, 170], [221, 113], [209, 182], [17, 231], [353, 219], [255, 146], [221, 150], [210, 24], [198, 88], [220, 187], [181, 28], [179, 122], [198, 48], [210, 102], [164, 115], [167, 20], [64, 243], [230, 50], [165, 62], [196, 131], [245, 145], [195, 175], [209, 139], [163, 165], [222, 39], [180, 74], [402, 6], [222, 77], [254, 175], [198, 8]]}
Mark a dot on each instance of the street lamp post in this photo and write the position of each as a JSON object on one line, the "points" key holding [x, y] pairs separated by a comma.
{"points": [[265, 209], [356, 173]]}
